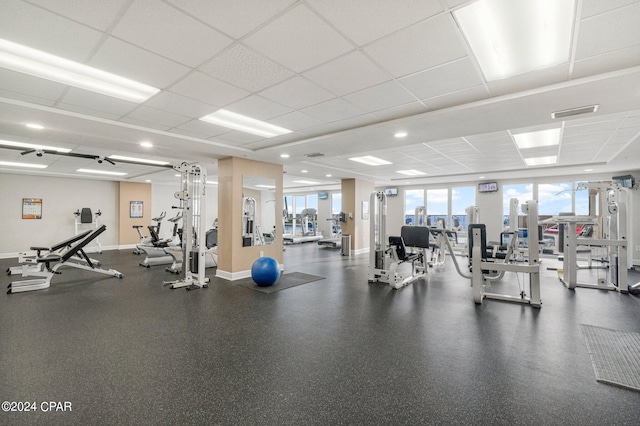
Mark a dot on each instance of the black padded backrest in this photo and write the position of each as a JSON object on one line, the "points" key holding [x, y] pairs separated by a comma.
{"points": [[70, 240], [211, 238], [85, 215], [483, 239], [415, 236], [400, 248], [80, 244]]}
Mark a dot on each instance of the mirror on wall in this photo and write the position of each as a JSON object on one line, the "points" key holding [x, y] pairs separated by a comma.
{"points": [[258, 211]]}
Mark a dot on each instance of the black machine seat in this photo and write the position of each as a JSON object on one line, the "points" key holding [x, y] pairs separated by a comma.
{"points": [[211, 238], [401, 250]]}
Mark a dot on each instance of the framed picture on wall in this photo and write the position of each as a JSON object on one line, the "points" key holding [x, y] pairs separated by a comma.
{"points": [[32, 208], [135, 209]]}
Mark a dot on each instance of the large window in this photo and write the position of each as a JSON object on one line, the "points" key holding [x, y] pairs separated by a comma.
{"points": [[288, 204], [336, 203], [299, 201], [312, 201], [554, 198], [412, 199], [523, 192], [461, 198], [437, 205], [582, 202]]}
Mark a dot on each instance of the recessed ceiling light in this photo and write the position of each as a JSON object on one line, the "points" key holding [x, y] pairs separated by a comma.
{"points": [[328, 175], [411, 172], [35, 126], [537, 139], [210, 182], [510, 38], [284, 156], [148, 180], [266, 186], [33, 146], [138, 160], [178, 175], [480, 177], [541, 161], [401, 134], [304, 171], [101, 172], [243, 123], [39, 64], [306, 182], [370, 160], [146, 144], [28, 165], [588, 170]]}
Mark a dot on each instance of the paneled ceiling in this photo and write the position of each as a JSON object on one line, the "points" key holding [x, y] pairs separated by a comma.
{"points": [[344, 76]]}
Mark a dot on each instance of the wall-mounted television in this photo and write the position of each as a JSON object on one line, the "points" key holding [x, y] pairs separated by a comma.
{"points": [[391, 192], [323, 195], [626, 181], [488, 187]]}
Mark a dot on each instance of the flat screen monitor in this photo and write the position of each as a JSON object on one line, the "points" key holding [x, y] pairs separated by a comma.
{"points": [[488, 187], [391, 192], [323, 195]]}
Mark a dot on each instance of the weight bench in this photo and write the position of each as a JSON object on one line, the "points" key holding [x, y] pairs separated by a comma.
{"points": [[74, 257], [29, 265]]}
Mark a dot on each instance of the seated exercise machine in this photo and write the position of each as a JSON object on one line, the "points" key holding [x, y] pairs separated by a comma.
{"points": [[388, 253], [211, 241], [85, 216], [481, 275], [156, 248], [67, 256], [153, 229]]}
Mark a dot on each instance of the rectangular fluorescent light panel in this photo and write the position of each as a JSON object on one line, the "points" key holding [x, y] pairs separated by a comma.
{"points": [[234, 121], [139, 160], [511, 37], [370, 160], [411, 172], [39, 64], [33, 146], [541, 161], [28, 165], [548, 137], [101, 172], [266, 186]]}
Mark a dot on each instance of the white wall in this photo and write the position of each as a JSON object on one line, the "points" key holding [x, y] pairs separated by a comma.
{"points": [[61, 197]]}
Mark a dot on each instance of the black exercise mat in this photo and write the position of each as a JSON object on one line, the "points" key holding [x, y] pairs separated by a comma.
{"points": [[289, 280], [615, 355]]}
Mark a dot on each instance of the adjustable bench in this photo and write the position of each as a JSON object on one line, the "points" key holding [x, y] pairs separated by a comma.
{"points": [[74, 256]]}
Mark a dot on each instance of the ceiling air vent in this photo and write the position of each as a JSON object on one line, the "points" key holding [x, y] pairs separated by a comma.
{"points": [[574, 111], [314, 155]]}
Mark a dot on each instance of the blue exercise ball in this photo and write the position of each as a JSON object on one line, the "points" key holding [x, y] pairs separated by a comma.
{"points": [[265, 271]]}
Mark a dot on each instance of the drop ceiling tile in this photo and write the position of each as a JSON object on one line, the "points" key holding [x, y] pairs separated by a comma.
{"points": [[246, 68], [87, 111], [209, 90], [296, 120], [98, 15], [299, 40], [611, 31], [97, 102], [609, 61], [180, 105], [347, 74], [157, 116], [380, 97], [297, 93], [204, 129], [238, 138], [129, 61], [233, 17], [423, 46], [23, 85], [406, 110], [39, 29], [333, 110], [145, 124], [258, 107], [375, 19], [596, 7], [454, 76], [160, 28], [355, 122]]}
